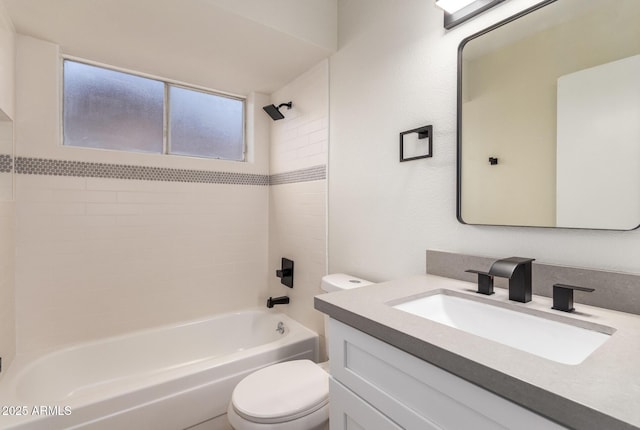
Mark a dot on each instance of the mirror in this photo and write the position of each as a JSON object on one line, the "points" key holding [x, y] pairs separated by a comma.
{"points": [[549, 118]]}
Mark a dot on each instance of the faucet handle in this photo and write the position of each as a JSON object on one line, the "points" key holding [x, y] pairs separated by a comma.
{"points": [[485, 282], [563, 296]]}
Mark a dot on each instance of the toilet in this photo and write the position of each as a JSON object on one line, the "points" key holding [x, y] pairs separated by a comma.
{"points": [[292, 395]]}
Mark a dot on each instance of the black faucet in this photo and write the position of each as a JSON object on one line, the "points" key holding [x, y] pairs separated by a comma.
{"points": [[272, 301], [518, 271]]}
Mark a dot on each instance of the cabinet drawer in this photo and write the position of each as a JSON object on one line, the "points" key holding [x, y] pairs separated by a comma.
{"points": [[408, 389], [350, 412]]}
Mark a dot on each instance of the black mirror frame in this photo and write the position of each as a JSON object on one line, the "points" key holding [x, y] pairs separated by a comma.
{"points": [[459, 122]]}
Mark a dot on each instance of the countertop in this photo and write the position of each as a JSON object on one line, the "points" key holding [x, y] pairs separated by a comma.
{"points": [[602, 392]]}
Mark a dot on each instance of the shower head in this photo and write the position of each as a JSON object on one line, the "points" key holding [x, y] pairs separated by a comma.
{"points": [[274, 112]]}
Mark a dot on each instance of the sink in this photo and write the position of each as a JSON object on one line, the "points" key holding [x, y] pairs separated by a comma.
{"points": [[562, 342]]}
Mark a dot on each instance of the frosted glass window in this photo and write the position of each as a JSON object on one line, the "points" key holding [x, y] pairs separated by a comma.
{"points": [[112, 110], [109, 109], [205, 125]]}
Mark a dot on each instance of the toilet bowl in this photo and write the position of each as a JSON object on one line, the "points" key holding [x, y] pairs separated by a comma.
{"points": [[292, 395]]}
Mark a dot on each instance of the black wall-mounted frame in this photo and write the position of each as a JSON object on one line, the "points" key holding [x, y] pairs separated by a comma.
{"points": [[466, 13], [425, 132]]}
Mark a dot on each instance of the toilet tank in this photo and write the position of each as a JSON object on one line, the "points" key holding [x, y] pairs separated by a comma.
{"points": [[341, 281]]}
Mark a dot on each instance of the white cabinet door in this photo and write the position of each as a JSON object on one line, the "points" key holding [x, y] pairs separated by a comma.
{"points": [[415, 394]]}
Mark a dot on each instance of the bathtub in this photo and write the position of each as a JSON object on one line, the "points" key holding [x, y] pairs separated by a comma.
{"points": [[172, 377]]}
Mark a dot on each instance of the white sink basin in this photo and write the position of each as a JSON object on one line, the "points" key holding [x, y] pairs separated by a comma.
{"points": [[554, 340]]}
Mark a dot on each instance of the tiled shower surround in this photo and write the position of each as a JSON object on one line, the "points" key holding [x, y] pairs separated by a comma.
{"points": [[101, 250], [297, 197], [108, 242], [7, 291], [315, 173]]}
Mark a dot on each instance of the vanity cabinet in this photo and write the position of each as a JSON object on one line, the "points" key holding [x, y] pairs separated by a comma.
{"points": [[377, 386]]}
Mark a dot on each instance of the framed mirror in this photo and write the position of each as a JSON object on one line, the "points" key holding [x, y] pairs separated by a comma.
{"points": [[549, 118]]}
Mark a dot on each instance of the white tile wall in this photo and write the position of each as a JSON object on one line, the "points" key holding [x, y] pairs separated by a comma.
{"points": [[7, 291], [6, 136], [297, 211], [6, 187], [96, 257], [7, 207], [300, 140], [6, 148], [297, 231]]}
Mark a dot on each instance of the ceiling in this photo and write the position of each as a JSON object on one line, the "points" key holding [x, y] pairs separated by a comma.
{"points": [[236, 47]]}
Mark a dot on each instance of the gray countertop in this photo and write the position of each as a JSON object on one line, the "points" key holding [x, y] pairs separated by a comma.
{"points": [[602, 392]]}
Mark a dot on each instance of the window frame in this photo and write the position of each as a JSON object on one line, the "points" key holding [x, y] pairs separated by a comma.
{"points": [[167, 83]]}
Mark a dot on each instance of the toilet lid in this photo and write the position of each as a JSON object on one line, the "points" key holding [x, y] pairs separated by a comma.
{"points": [[282, 392]]}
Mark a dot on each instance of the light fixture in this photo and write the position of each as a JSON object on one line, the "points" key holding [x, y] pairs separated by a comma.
{"points": [[458, 11], [452, 6]]}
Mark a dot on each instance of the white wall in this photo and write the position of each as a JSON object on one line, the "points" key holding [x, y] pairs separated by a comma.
{"points": [[96, 257], [38, 86], [7, 251], [237, 48], [311, 20], [297, 210], [300, 140], [396, 70], [7, 206], [7, 63], [7, 291], [598, 150]]}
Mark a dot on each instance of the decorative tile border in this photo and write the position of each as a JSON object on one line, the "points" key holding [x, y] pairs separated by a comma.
{"points": [[315, 173], [42, 166], [6, 163], [52, 167]]}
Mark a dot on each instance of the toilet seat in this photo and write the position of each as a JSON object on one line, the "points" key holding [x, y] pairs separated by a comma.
{"points": [[282, 393]]}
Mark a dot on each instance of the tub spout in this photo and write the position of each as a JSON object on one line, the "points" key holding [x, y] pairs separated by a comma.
{"points": [[272, 301]]}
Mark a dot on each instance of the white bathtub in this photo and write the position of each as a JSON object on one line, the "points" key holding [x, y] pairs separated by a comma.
{"points": [[171, 377]]}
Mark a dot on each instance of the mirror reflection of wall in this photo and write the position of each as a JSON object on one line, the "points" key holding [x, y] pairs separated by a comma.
{"points": [[6, 158], [598, 146], [509, 110]]}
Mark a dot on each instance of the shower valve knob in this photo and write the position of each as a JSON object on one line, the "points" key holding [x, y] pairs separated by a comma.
{"points": [[283, 272]]}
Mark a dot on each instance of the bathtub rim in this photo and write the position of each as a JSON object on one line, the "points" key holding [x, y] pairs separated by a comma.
{"points": [[23, 363]]}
